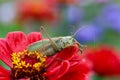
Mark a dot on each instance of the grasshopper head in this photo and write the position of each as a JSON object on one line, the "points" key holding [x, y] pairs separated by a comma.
{"points": [[66, 41]]}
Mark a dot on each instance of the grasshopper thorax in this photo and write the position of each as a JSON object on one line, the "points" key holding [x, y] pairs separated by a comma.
{"points": [[64, 42]]}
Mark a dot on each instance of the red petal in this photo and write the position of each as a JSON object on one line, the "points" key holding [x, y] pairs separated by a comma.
{"points": [[17, 41], [4, 72], [58, 71], [24, 79], [64, 68], [84, 66], [79, 71], [74, 76], [5, 52], [49, 61], [5, 78], [75, 59], [109, 65], [67, 53], [34, 36]]}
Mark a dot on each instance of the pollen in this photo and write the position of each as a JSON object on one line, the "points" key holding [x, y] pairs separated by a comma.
{"points": [[28, 65]]}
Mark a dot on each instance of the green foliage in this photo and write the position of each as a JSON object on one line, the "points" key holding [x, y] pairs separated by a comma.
{"points": [[4, 29]]}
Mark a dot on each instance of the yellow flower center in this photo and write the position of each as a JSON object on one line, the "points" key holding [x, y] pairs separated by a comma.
{"points": [[28, 65]]}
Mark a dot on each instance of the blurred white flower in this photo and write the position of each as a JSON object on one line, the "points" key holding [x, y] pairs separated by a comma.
{"points": [[7, 12]]}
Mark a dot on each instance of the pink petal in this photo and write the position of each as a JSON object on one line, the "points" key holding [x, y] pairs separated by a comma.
{"points": [[34, 36], [58, 71], [17, 41], [4, 72], [5, 52]]}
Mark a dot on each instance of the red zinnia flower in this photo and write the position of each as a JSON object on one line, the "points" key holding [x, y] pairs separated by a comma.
{"points": [[67, 1], [63, 2], [24, 65], [36, 10], [105, 60]]}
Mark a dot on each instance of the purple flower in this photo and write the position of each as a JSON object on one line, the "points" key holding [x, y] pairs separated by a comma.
{"points": [[74, 14], [88, 33], [110, 17]]}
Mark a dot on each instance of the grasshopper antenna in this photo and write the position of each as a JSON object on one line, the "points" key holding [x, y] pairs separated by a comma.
{"points": [[52, 42], [78, 31], [73, 34], [80, 45]]}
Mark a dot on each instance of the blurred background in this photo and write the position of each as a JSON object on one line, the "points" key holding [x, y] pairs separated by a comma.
{"points": [[94, 23]]}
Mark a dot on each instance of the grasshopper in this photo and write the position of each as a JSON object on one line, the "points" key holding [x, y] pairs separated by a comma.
{"points": [[51, 46]]}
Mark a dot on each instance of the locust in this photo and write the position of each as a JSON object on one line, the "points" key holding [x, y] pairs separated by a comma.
{"points": [[51, 46]]}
